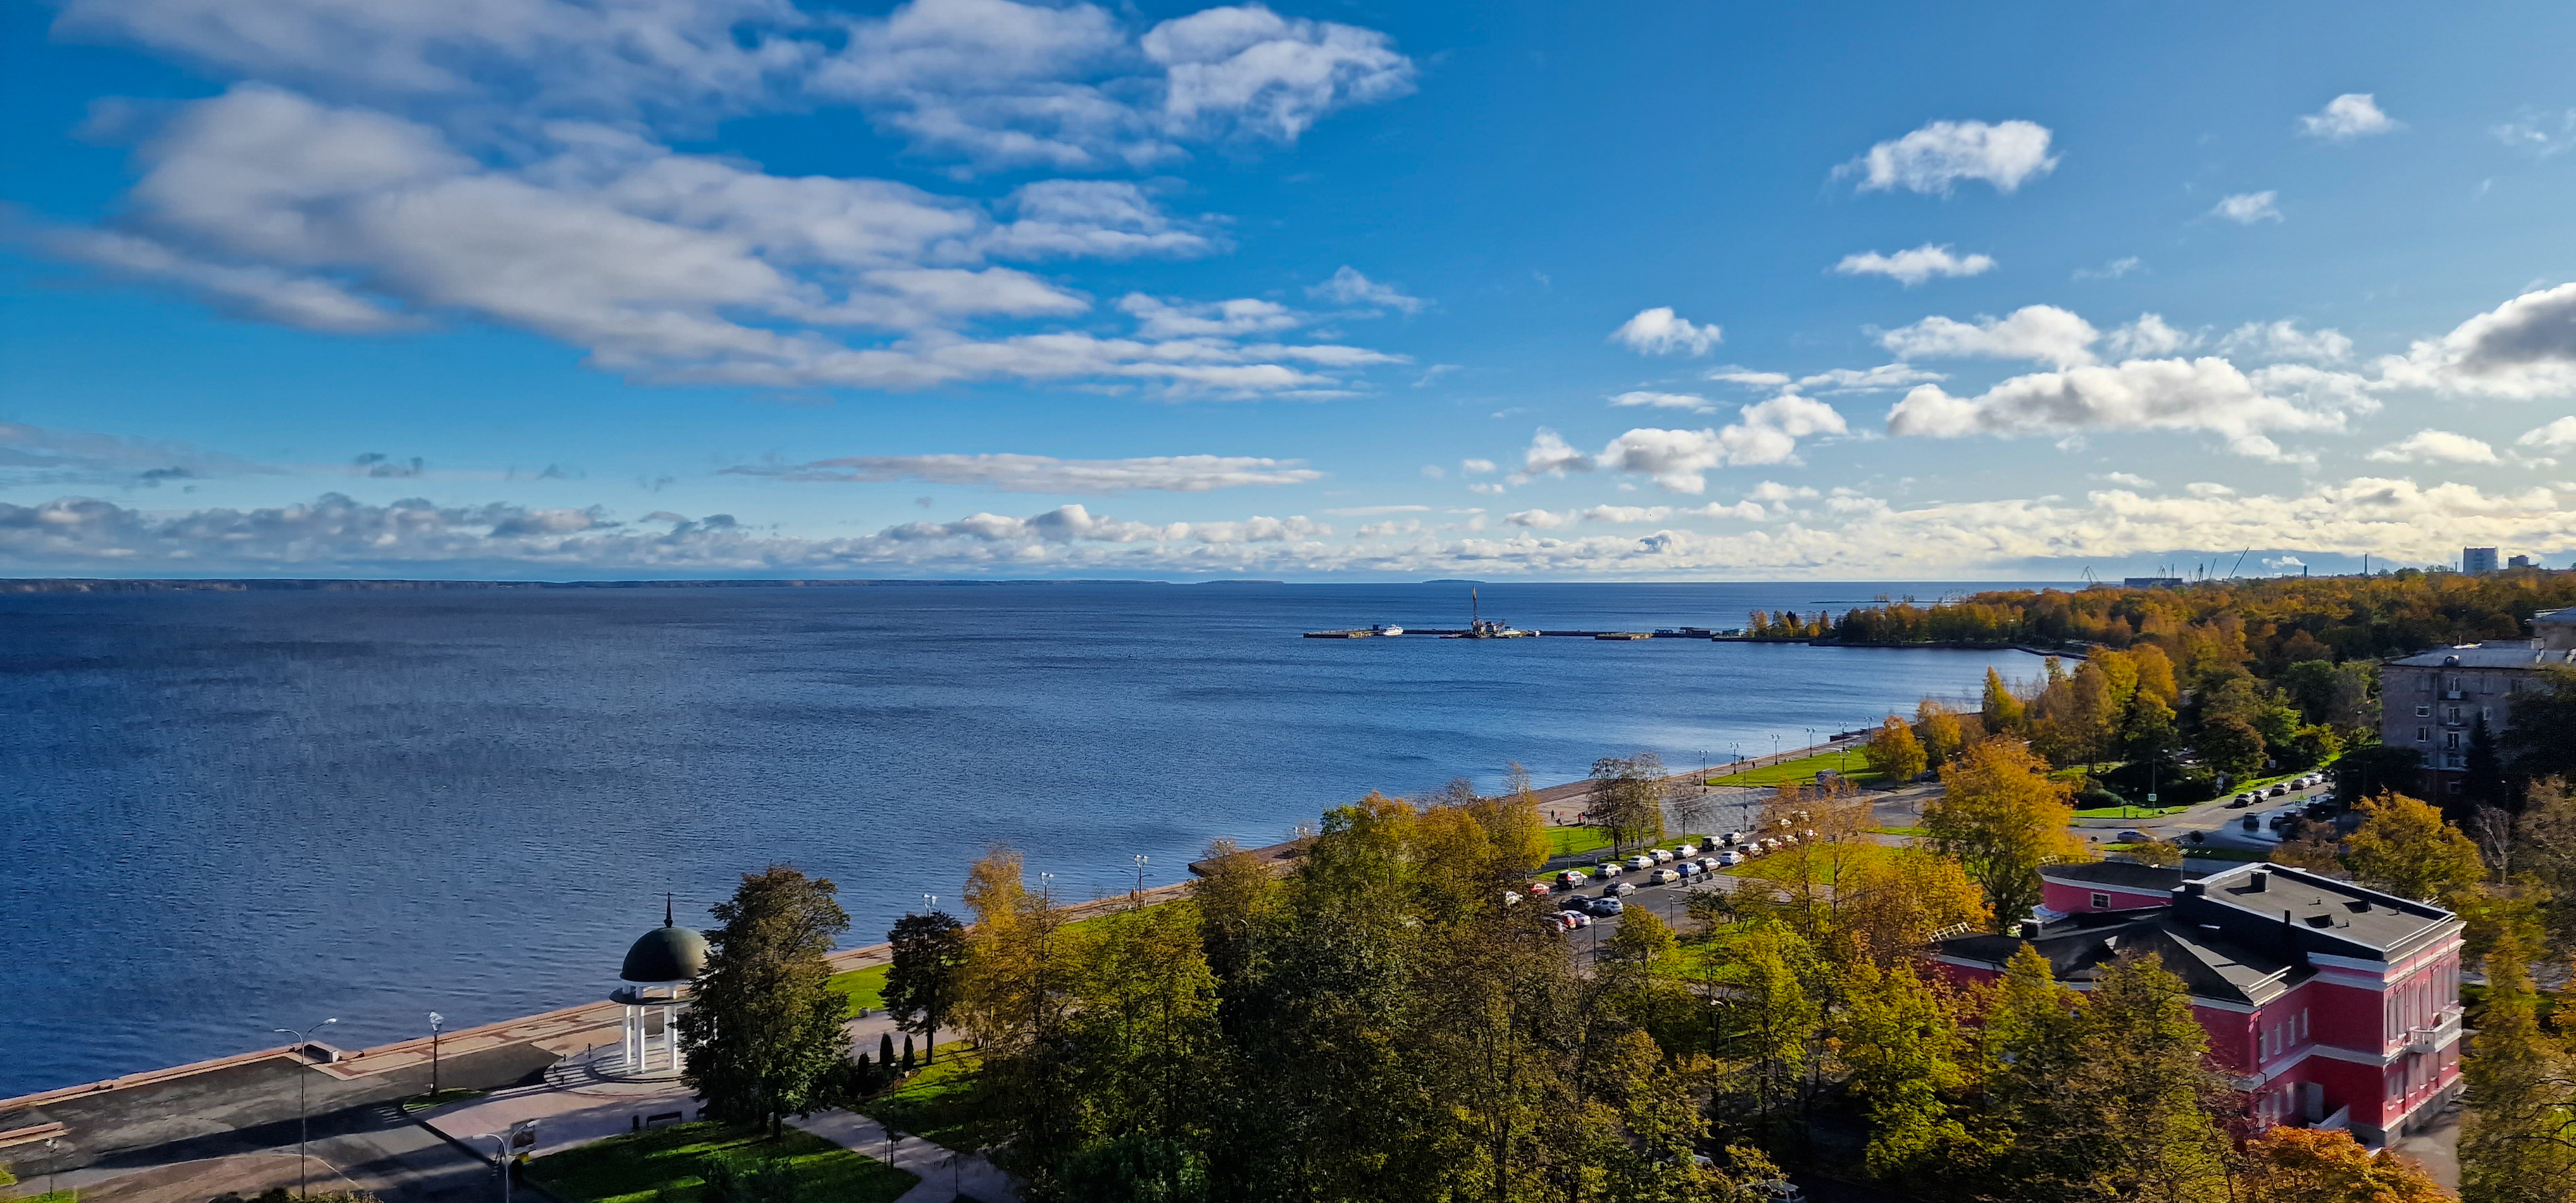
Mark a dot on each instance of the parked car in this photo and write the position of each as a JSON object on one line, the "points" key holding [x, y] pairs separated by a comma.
{"points": [[1607, 869], [2279, 790], [1609, 906], [1641, 861], [2134, 837], [1511, 898], [2253, 823], [1540, 889], [1626, 887], [1665, 877], [2240, 802], [1688, 850], [1662, 856], [1573, 877], [1730, 858], [1580, 918]]}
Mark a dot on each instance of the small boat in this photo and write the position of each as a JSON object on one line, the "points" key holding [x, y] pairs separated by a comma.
{"points": [[1387, 628]]}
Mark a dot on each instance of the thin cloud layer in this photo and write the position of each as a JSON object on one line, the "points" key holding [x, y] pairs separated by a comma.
{"points": [[2435, 447], [1047, 474]]}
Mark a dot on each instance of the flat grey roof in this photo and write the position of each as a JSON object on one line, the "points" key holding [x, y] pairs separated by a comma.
{"points": [[2316, 906], [2525, 656]]}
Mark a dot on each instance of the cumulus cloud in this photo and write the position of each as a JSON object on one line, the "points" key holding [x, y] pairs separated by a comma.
{"points": [[1047, 474], [1692, 402], [2556, 436], [2435, 447], [1348, 287], [1935, 158], [1658, 331], [2207, 394], [2346, 117], [1915, 266], [1550, 455], [1767, 433], [2284, 340], [2246, 208], [2150, 336], [2522, 349], [388, 167], [2043, 333]]}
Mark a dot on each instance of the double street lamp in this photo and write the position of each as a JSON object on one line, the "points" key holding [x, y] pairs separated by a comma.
{"points": [[303, 1130]]}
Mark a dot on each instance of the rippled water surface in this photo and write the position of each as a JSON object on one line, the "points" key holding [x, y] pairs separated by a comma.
{"points": [[226, 813]]}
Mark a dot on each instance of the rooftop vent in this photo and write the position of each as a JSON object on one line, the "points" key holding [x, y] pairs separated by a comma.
{"points": [[2259, 880], [2358, 906], [2321, 921], [2196, 889], [2030, 929]]}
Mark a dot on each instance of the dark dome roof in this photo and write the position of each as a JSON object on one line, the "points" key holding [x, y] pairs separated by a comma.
{"points": [[666, 954]]}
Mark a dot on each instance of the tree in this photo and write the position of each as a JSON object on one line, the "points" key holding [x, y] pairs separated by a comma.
{"points": [[2312, 846], [1891, 905], [2545, 853], [1901, 1038], [2142, 1083], [2001, 710], [1016, 999], [2001, 817], [1942, 731], [1769, 1026], [2373, 769], [762, 1037], [1894, 753], [2403, 846], [2535, 742], [2230, 745], [2316, 1165], [1628, 795], [921, 985], [2032, 1146], [2515, 1140], [2483, 784]]}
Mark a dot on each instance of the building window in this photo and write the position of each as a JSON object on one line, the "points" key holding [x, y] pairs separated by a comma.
{"points": [[2101, 902], [2452, 786], [2423, 712], [2303, 1023], [2423, 735]]}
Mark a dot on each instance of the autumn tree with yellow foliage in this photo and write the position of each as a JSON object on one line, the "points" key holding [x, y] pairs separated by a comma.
{"points": [[2001, 817]]}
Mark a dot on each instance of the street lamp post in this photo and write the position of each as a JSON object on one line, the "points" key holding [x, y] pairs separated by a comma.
{"points": [[50, 1142], [929, 902], [1141, 860], [435, 1019], [303, 1129]]}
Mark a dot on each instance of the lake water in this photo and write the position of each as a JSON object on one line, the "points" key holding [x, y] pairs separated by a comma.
{"points": [[226, 813]]}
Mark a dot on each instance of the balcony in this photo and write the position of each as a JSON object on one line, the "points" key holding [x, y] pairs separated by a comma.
{"points": [[2444, 1029]]}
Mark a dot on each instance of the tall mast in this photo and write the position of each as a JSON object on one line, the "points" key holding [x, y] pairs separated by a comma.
{"points": [[1475, 609]]}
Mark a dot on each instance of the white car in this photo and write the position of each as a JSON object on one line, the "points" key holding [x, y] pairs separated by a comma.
{"points": [[1607, 868], [1688, 850], [1665, 877], [1662, 855], [1641, 861]]}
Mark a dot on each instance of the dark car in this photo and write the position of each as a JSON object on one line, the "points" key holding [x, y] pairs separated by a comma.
{"points": [[2134, 837]]}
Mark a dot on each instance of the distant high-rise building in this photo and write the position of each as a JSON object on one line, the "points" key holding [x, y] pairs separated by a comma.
{"points": [[2518, 562], [2474, 560]]}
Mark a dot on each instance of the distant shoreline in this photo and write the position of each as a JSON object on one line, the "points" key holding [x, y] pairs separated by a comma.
{"points": [[338, 585]]}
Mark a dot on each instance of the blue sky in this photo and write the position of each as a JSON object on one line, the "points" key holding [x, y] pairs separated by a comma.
{"points": [[969, 287]]}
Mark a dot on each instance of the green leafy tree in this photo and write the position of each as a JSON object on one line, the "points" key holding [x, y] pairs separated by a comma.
{"points": [[2143, 1082], [929, 967], [2535, 742], [762, 1037], [2030, 1145], [1905, 1049], [1137, 1168], [2001, 710], [1769, 1023], [2544, 851], [1628, 796], [2231, 745], [2405, 847]]}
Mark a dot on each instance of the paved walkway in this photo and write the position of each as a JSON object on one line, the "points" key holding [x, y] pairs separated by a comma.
{"points": [[572, 1107], [945, 1175]]}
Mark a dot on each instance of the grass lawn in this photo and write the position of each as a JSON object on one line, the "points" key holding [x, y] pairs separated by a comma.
{"points": [[864, 988], [662, 1166], [1911, 833], [2134, 812], [940, 1104], [1566, 841], [1804, 769], [453, 1094], [2206, 852]]}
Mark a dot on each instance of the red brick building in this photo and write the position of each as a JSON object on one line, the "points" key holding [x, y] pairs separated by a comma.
{"points": [[2333, 1006]]}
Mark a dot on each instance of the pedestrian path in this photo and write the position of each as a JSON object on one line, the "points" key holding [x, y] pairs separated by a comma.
{"points": [[945, 1174]]}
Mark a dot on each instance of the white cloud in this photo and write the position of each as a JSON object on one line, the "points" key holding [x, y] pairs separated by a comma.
{"points": [[2246, 208], [2346, 117], [1247, 67], [2522, 349], [1772, 492], [1477, 467], [2150, 336], [2129, 480], [1103, 219], [1657, 331], [2435, 447], [2112, 270], [1550, 455], [1542, 519], [1879, 379], [2207, 394], [1378, 511], [2044, 333], [2540, 135], [661, 266], [2558, 435], [1915, 266], [2284, 340], [1935, 158], [1692, 402], [1732, 374], [1047, 474], [1157, 318], [1768, 433], [1349, 287]]}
